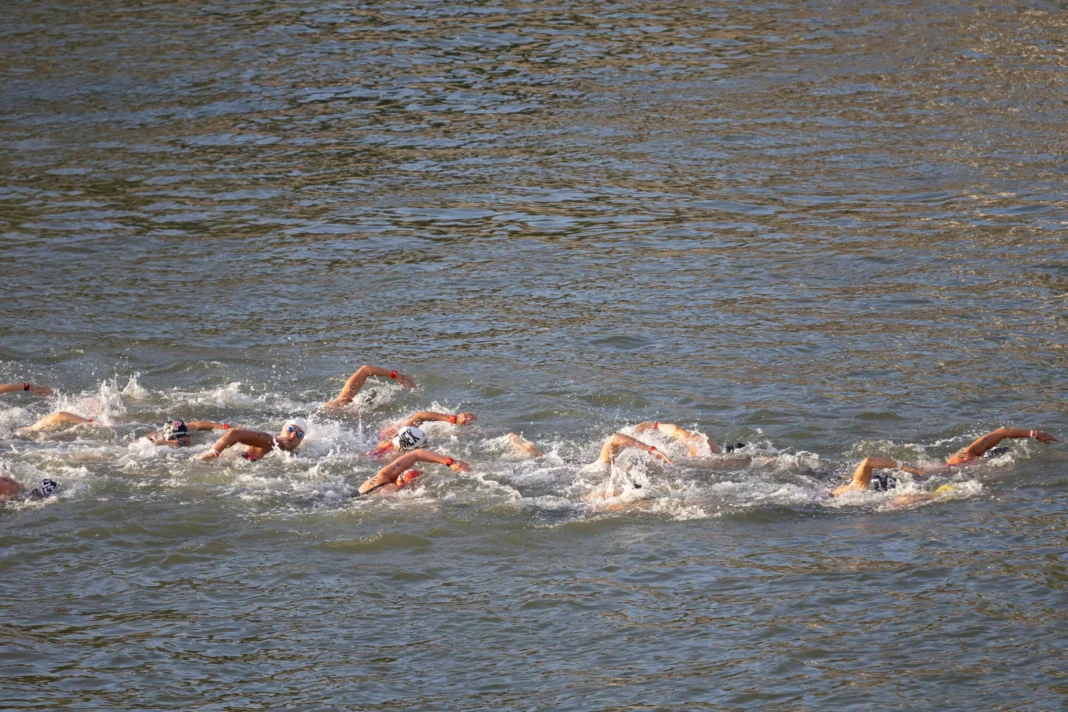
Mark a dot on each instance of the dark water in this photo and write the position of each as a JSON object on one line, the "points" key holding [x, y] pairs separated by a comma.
{"points": [[830, 230]]}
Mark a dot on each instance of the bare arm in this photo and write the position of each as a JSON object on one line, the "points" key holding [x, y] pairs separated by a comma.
{"points": [[692, 439], [991, 439], [36, 390], [206, 425], [424, 416], [620, 442], [263, 441], [356, 381], [393, 470]]}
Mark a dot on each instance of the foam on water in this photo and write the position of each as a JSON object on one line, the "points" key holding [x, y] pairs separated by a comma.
{"points": [[324, 473]]}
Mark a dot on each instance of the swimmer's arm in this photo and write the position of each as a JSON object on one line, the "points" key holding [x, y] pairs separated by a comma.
{"points": [[36, 390], [206, 425], [251, 438], [991, 439], [393, 470], [862, 475], [674, 431], [431, 416], [356, 381], [619, 442]]}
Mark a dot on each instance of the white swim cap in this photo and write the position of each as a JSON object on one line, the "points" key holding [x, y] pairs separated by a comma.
{"points": [[297, 422], [409, 438]]}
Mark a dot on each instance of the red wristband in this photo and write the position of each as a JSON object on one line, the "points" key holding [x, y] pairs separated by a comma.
{"points": [[393, 375], [1034, 434], [656, 426], [226, 426], [25, 386], [452, 419], [652, 448], [449, 461]]}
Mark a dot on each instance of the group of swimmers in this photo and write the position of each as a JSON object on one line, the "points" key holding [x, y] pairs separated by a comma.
{"points": [[405, 442]]}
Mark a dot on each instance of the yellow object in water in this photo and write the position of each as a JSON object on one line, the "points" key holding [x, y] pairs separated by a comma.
{"points": [[944, 489]]}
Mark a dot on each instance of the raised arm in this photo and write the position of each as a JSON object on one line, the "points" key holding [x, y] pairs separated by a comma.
{"points": [[390, 473], [620, 442], [862, 475], [424, 416], [692, 439], [36, 390], [356, 380], [991, 439], [236, 436]]}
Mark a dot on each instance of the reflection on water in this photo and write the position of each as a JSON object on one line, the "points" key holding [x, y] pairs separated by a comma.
{"points": [[826, 230]]}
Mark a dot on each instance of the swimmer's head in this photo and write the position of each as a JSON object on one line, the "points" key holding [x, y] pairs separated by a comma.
{"points": [[409, 438], [174, 430], [736, 446], [47, 489], [295, 427]]}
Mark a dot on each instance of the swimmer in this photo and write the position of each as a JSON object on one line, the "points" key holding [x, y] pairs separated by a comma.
{"points": [[10, 489], [397, 473], [971, 454], [410, 436], [16, 387], [177, 433], [260, 443], [864, 478], [356, 381], [694, 441]]}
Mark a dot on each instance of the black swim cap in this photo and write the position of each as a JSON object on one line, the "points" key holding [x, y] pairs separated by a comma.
{"points": [[996, 451], [45, 490], [736, 446]]}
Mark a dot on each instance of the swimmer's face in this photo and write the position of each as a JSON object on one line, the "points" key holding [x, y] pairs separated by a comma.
{"points": [[293, 433]]}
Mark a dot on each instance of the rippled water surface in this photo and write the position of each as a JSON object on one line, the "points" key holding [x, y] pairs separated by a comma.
{"points": [[829, 230]]}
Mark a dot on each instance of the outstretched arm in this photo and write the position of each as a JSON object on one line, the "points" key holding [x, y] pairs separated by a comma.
{"points": [[424, 416], [206, 425], [36, 390], [692, 439], [620, 442], [356, 380], [393, 470], [862, 475], [239, 437], [991, 440]]}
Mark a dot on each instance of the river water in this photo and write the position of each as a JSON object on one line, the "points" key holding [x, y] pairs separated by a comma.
{"points": [[826, 229]]}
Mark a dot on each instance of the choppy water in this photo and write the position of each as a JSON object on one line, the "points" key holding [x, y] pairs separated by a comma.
{"points": [[828, 229]]}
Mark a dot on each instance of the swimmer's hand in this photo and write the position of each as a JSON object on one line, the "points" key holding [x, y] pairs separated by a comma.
{"points": [[1044, 437], [661, 456], [406, 381], [41, 390], [459, 466], [465, 418]]}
